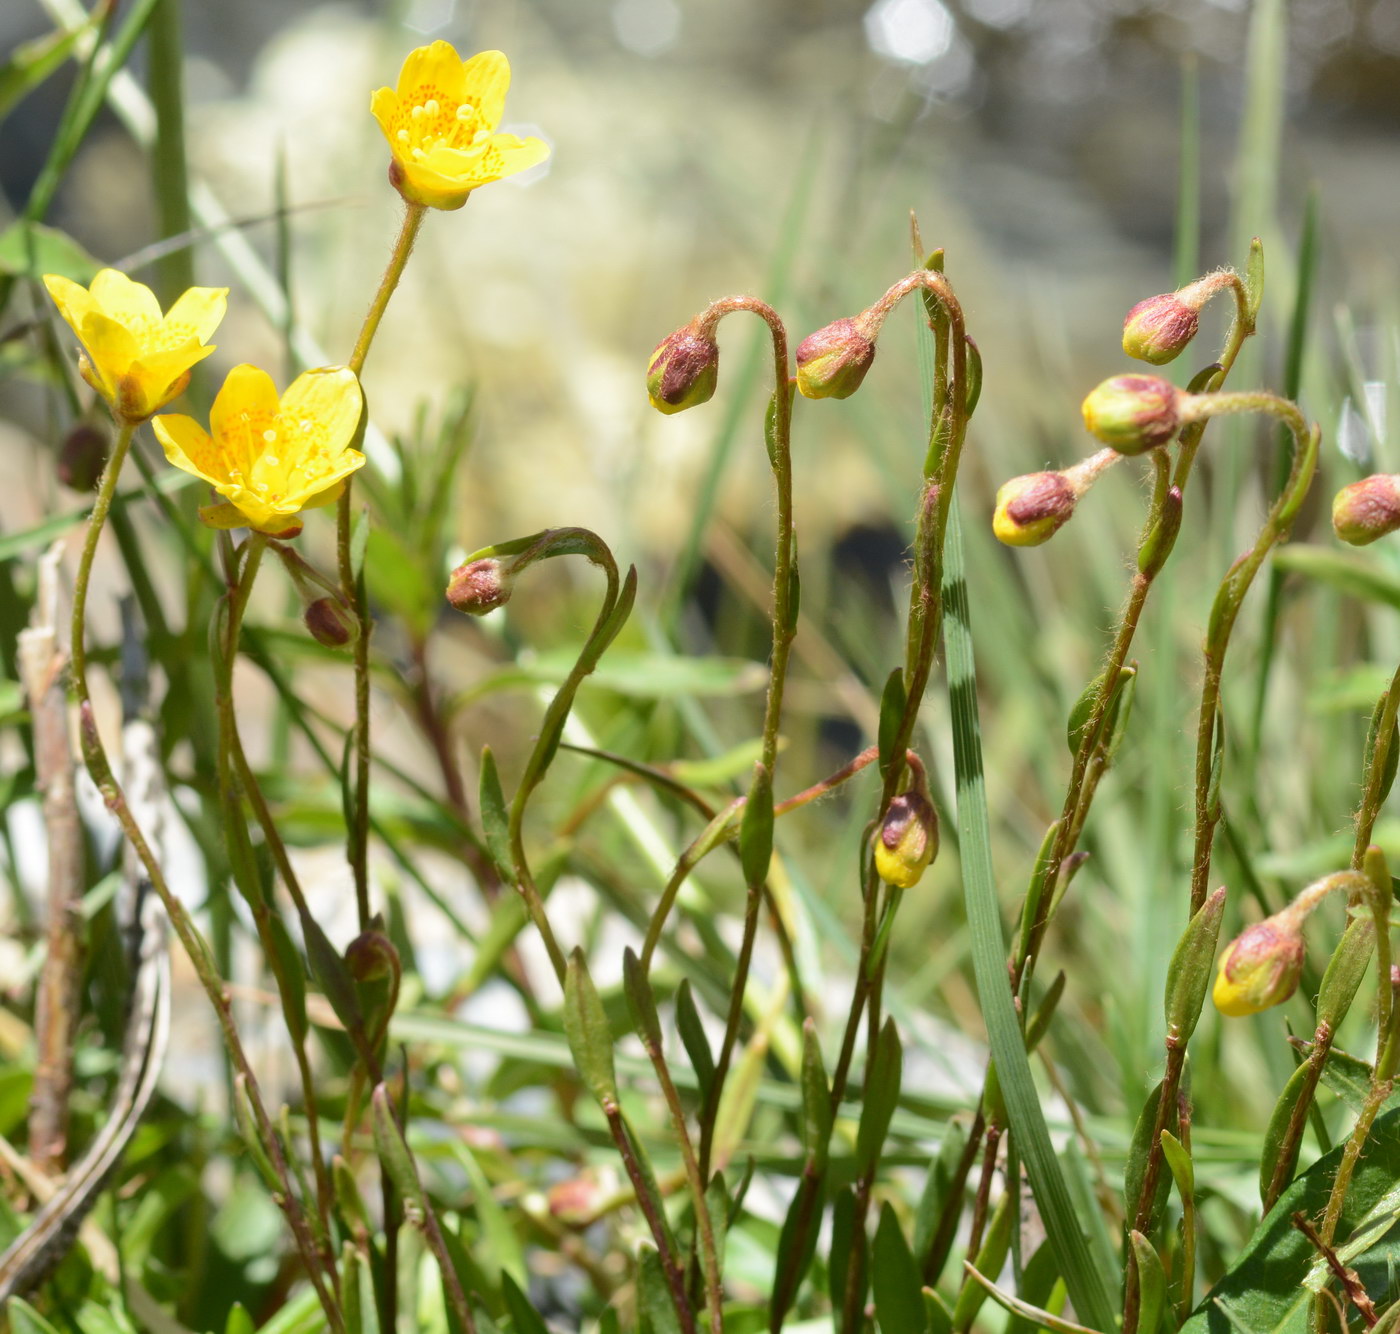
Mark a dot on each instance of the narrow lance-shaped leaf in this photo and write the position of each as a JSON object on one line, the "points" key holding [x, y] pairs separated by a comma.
{"points": [[756, 828], [1189, 973], [881, 1096], [586, 1027], [899, 1302]]}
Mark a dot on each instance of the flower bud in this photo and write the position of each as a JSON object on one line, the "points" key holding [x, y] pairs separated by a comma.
{"points": [[1031, 509], [1260, 967], [832, 362], [479, 586], [372, 956], [1367, 509], [331, 623], [1134, 413], [684, 369], [82, 457], [907, 841], [1157, 330], [577, 1201]]}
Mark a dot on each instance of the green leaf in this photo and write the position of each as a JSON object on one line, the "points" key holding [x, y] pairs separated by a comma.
{"points": [[524, 1318], [1254, 278], [899, 1302], [845, 1238], [1392, 753], [1349, 1078], [974, 378], [1139, 1154], [1346, 571], [646, 675], [32, 62], [24, 1319], [816, 1098], [937, 1186], [893, 702], [239, 1321], [1179, 1161], [1152, 1283], [586, 1026], [693, 1039], [881, 1096], [1084, 1280], [658, 1306], [293, 978], [29, 250], [1263, 1293], [1188, 974], [495, 819], [641, 1002], [756, 828], [331, 974], [1346, 970]]}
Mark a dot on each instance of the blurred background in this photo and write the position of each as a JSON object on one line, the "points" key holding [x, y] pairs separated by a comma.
{"points": [[1071, 156]]}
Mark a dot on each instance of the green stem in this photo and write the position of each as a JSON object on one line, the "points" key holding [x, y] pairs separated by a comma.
{"points": [[100, 767], [352, 585]]}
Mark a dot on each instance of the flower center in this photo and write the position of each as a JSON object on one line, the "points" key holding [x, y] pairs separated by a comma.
{"points": [[427, 120]]}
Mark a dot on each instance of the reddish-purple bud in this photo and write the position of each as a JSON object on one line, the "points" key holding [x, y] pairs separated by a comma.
{"points": [[1367, 509], [82, 457], [1134, 413], [832, 362], [371, 956], [479, 586], [1158, 329], [1260, 967], [331, 623], [683, 370]]}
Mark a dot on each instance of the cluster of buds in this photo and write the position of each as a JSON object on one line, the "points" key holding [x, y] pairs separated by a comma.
{"points": [[907, 840], [1032, 508], [1367, 510], [1158, 329]]}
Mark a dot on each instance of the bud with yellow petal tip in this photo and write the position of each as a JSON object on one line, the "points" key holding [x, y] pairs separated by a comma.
{"points": [[684, 369], [1134, 413], [480, 586], [1158, 329], [1367, 509], [832, 362], [1031, 509], [907, 841], [1260, 967]]}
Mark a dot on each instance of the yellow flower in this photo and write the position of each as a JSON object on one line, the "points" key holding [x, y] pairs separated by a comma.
{"points": [[271, 459], [440, 123], [135, 357]]}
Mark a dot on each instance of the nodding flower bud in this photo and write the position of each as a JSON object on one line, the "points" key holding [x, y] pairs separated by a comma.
{"points": [[1158, 329], [331, 623], [480, 586], [371, 956], [832, 362], [82, 457], [684, 369], [1031, 509], [1367, 509], [907, 841], [1260, 967], [1134, 413]]}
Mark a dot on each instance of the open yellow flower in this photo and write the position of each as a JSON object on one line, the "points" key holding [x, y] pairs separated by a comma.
{"points": [[271, 458], [441, 121], [135, 357]]}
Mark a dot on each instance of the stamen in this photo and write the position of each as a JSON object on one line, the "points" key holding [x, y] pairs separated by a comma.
{"points": [[431, 106], [417, 113]]}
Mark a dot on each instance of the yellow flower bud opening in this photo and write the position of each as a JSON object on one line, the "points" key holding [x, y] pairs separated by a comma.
{"points": [[137, 358], [1260, 968], [271, 458], [441, 126]]}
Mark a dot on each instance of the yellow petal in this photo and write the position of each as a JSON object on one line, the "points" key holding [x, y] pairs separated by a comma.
{"points": [[110, 347], [326, 487], [432, 71], [384, 106], [159, 373], [485, 79], [196, 314], [421, 186], [507, 154], [187, 446], [331, 400], [130, 302], [333, 492], [73, 300], [244, 408]]}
